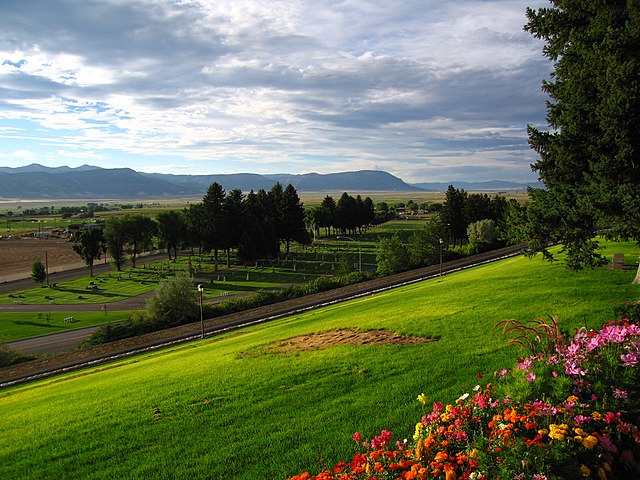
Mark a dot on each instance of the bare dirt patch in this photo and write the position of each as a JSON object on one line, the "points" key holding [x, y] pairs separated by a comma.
{"points": [[17, 255], [333, 338]]}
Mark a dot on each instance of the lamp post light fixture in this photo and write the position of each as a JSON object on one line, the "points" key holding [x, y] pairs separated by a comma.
{"points": [[201, 291], [359, 251], [441, 242]]}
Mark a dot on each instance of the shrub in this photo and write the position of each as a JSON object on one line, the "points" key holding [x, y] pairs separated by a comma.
{"points": [[175, 302]]}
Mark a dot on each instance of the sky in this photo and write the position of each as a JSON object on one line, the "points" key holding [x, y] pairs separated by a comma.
{"points": [[429, 91]]}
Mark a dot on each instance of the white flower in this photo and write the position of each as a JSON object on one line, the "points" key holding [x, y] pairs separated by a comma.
{"points": [[464, 397]]}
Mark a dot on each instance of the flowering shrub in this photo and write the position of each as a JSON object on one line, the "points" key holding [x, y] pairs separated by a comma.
{"points": [[563, 414]]}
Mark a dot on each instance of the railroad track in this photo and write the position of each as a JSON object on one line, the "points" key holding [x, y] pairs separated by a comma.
{"points": [[38, 369]]}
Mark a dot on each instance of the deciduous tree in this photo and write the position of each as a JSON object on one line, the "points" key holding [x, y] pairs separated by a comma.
{"points": [[115, 235], [89, 243], [171, 230]]}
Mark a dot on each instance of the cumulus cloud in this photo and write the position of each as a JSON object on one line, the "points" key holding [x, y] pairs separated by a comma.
{"points": [[423, 89]]}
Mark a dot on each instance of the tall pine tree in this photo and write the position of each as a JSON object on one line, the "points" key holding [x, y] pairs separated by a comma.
{"points": [[590, 155]]}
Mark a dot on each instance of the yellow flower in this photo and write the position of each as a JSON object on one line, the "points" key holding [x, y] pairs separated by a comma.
{"points": [[580, 432], [418, 431], [590, 442], [558, 432], [596, 416], [422, 398], [584, 470], [572, 399], [446, 417]]}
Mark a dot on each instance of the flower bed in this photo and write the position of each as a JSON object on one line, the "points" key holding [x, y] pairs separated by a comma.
{"points": [[566, 411]]}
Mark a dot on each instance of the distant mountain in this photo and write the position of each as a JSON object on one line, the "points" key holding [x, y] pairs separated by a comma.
{"points": [[89, 182], [37, 168], [492, 186], [81, 183]]}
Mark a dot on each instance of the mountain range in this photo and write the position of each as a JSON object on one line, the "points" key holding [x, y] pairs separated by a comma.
{"points": [[89, 182]]}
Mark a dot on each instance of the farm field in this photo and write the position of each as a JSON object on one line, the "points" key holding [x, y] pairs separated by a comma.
{"points": [[17, 255], [256, 404]]}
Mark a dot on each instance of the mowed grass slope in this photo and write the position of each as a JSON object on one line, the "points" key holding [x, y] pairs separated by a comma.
{"points": [[228, 408]]}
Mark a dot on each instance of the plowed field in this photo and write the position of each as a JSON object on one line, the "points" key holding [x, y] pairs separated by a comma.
{"points": [[17, 255]]}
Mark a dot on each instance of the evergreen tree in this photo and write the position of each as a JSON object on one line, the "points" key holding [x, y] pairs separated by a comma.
{"points": [[589, 157], [453, 214], [38, 271], [214, 238], [293, 228], [392, 256], [233, 220], [424, 245]]}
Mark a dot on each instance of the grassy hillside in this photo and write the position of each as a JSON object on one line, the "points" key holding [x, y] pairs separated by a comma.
{"points": [[232, 408]]}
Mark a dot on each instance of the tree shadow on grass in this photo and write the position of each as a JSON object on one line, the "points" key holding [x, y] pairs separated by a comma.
{"points": [[34, 324]]}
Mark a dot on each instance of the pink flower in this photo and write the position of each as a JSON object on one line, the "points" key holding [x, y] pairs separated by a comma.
{"points": [[629, 359], [357, 437], [480, 400], [581, 419], [633, 329], [614, 333], [381, 440], [530, 377], [620, 393], [525, 364]]}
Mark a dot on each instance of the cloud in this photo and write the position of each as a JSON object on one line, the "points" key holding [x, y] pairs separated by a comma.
{"points": [[226, 86]]}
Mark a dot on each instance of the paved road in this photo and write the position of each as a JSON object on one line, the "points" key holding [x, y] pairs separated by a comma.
{"points": [[54, 342]]}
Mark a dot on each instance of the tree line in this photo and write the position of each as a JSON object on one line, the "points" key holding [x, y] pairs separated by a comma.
{"points": [[256, 225], [348, 215]]}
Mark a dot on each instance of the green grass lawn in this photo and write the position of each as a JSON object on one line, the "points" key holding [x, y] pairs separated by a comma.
{"points": [[104, 288], [227, 408], [14, 326]]}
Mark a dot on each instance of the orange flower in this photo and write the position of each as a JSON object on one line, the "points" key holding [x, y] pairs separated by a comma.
{"points": [[441, 456]]}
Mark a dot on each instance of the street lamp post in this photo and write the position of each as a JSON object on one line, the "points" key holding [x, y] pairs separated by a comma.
{"points": [[441, 242], [201, 291], [359, 252]]}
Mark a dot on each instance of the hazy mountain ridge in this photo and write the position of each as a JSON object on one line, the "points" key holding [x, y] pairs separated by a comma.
{"points": [[89, 182], [491, 185]]}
